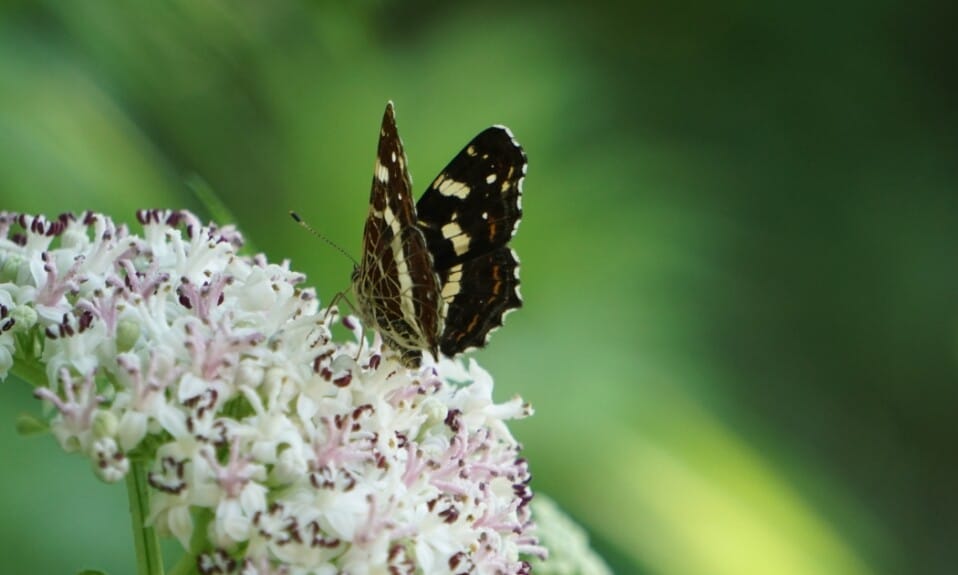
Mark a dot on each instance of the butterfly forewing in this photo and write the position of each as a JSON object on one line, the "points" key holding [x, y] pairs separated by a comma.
{"points": [[474, 205], [395, 285], [439, 276]]}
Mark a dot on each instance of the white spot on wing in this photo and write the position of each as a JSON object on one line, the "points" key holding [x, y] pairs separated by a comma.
{"points": [[394, 224], [460, 241], [451, 287], [382, 173], [394, 157], [405, 284], [454, 189], [490, 178], [451, 230]]}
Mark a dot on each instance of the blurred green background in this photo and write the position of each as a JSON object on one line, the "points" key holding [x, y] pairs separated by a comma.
{"points": [[738, 249]]}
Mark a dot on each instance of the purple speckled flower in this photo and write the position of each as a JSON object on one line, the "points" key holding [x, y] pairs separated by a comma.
{"points": [[306, 455]]}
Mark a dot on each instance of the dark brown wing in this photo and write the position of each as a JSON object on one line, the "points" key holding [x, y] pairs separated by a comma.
{"points": [[479, 293], [468, 215], [396, 288]]}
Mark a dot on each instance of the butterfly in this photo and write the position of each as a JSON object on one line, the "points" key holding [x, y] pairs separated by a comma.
{"points": [[438, 275]]}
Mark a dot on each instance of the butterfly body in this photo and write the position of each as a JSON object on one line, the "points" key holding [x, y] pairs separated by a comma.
{"points": [[438, 276]]}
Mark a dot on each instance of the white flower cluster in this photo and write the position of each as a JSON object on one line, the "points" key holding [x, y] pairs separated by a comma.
{"points": [[306, 455]]}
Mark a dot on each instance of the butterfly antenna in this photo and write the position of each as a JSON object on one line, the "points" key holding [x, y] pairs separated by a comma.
{"points": [[310, 229]]}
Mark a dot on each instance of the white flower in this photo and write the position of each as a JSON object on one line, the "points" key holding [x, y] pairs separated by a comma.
{"points": [[307, 455]]}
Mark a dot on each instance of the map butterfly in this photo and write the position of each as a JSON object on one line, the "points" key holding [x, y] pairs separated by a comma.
{"points": [[438, 276]]}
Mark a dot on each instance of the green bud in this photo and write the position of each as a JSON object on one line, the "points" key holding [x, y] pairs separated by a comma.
{"points": [[435, 411], [105, 424], [10, 268], [127, 334], [25, 316], [30, 425], [72, 444]]}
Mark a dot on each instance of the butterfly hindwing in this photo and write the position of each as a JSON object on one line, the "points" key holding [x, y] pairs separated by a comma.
{"points": [[478, 292]]}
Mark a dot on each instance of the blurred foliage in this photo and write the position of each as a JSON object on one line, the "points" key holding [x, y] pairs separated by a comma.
{"points": [[738, 250]]}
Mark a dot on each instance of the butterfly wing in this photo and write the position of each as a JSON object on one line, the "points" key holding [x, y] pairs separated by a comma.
{"points": [[468, 215], [396, 288], [478, 293]]}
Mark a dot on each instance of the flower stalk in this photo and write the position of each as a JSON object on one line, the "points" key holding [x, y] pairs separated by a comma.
{"points": [[149, 559]]}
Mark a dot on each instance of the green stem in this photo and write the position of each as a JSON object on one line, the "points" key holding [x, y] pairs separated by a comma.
{"points": [[148, 557], [185, 566]]}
